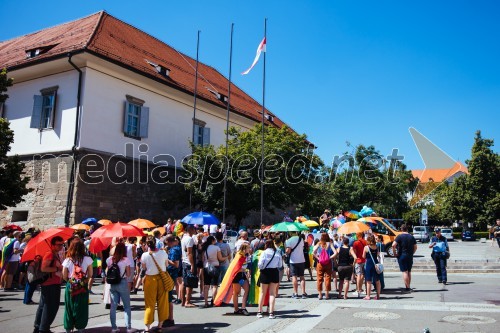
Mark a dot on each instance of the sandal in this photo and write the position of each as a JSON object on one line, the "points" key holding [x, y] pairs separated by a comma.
{"points": [[271, 315], [190, 305], [366, 298]]}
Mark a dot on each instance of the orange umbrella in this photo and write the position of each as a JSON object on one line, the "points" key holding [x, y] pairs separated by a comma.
{"points": [[80, 226], [104, 222], [160, 229], [142, 224], [40, 244], [352, 227]]}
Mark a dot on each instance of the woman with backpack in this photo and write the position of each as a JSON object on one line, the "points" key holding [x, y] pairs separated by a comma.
{"points": [[117, 276], [76, 269], [345, 257], [324, 252], [211, 257]]}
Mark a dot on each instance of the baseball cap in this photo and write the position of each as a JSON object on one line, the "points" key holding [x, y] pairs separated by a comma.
{"points": [[437, 230]]}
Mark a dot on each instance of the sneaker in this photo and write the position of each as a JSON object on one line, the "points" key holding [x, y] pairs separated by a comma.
{"points": [[295, 296], [304, 296], [244, 312], [271, 316], [259, 314]]}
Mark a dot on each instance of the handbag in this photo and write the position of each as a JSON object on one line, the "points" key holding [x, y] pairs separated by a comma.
{"points": [[167, 281], [379, 268], [211, 269]]}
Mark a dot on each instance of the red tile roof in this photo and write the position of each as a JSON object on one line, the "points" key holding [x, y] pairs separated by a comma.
{"points": [[108, 37], [439, 175]]}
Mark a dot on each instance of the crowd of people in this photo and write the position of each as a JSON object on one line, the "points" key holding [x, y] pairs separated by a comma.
{"points": [[200, 258]]}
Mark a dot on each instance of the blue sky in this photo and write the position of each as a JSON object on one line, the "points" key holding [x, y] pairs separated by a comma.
{"points": [[362, 72]]}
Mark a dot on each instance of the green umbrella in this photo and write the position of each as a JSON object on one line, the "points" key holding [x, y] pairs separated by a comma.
{"points": [[288, 227]]}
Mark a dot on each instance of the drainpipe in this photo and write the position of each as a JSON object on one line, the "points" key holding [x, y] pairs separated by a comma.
{"points": [[74, 150]]}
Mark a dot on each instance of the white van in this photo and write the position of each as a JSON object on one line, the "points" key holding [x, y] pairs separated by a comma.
{"points": [[422, 233]]}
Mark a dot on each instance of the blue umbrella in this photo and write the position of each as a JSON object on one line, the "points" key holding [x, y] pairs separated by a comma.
{"points": [[89, 221], [200, 218]]}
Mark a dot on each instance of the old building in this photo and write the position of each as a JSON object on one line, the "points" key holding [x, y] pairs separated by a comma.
{"points": [[97, 107]]}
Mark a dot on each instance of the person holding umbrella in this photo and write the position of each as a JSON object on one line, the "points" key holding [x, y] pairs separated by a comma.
{"points": [[50, 289]]}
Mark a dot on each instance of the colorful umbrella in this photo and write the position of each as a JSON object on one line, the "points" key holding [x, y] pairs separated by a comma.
{"points": [[367, 220], [310, 223], [142, 224], [101, 238], [336, 223], [200, 218], [352, 227], [40, 244], [104, 222], [90, 221], [366, 211], [352, 214], [288, 227], [14, 227], [177, 229], [80, 226]]}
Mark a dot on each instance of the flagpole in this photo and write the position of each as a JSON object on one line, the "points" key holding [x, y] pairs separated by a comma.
{"points": [[194, 106], [263, 119], [227, 120]]}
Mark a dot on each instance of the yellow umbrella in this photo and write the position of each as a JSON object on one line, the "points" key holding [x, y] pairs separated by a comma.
{"points": [[80, 226], [142, 224], [352, 227], [104, 222], [310, 223]]}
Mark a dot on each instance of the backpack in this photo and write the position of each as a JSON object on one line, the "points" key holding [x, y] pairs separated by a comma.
{"points": [[324, 258], [78, 281], [113, 275]]}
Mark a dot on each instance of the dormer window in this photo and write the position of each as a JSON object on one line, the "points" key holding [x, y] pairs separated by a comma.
{"points": [[221, 97], [159, 68], [34, 52]]}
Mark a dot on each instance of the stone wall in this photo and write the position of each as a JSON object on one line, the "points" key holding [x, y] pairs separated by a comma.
{"points": [[46, 203]]}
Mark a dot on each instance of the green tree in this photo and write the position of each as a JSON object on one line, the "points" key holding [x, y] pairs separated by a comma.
{"points": [[12, 179], [290, 172]]}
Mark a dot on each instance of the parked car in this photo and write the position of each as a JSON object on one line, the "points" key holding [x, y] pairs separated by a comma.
{"points": [[448, 233], [468, 235], [422, 233], [388, 231], [231, 238]]}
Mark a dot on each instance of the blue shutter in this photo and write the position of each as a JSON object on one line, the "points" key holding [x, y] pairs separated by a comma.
{"points": [[125, 118], [196, 135], [37, 111], [206, 136], [143, 123]]}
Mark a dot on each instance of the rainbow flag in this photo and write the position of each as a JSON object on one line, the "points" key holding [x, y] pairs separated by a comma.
{"points": [[225, 292], [7, 251], [253, 295]]}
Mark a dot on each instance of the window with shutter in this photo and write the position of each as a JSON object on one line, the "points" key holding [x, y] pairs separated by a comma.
{"points": [[136, 118], [44, 107], [201, 133]]}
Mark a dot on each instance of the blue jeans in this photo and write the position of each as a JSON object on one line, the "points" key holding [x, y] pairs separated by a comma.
{"points": [[48, 307], [440, 261], [222, 272], [120, 291], [29, 290]]}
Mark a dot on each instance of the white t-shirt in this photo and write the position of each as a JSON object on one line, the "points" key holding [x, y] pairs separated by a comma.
{"points": [[122, 264], [130, 253], [161, 257], [186, 242], [68, 263], [2, 242], [16, 256], [270, 259], [213, 228], [297, 256], [212, 255], [223, 228]]}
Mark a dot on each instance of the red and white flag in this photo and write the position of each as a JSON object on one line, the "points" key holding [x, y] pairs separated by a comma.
{"points": [[261, 48]]}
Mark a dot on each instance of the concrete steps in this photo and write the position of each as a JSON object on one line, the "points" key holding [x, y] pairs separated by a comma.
{"points": [[453, 266]]}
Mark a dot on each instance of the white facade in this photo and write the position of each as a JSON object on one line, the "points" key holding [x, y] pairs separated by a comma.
{"points": [[104, 90]]}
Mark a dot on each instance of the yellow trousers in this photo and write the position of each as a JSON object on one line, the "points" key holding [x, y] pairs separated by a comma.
{"points": [[154, 293]]}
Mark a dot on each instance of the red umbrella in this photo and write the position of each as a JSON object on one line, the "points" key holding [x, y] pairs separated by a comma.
{"points": [[101, 238], [12, 227], [40, 244]]}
